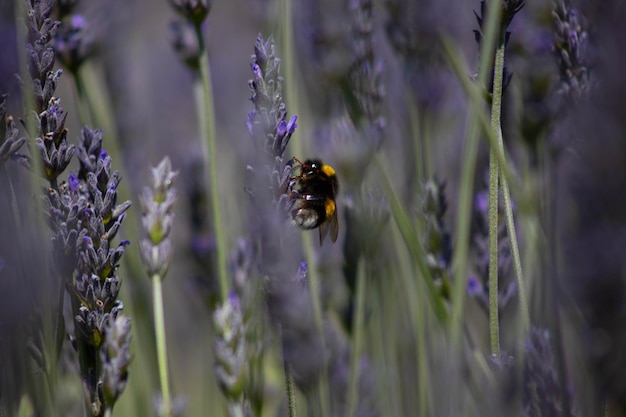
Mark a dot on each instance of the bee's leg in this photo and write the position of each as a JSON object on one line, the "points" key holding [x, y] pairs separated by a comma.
{"points": [[297, 195], [285, 204], [294, 159]]}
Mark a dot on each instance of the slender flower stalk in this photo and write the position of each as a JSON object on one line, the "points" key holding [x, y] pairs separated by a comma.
{"points": [[195, 13], [157, 201], [209, 150], [489, 37], [357, 341], [501, 77], [231, 355], [290, 388], [493, 204]]}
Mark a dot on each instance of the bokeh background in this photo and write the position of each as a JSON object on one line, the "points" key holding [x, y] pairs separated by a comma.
{"points": [[569, 157]]}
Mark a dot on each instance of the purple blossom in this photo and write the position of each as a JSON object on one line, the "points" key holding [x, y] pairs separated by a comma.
{"points": [[474, 287], [233, 298], [73, 182], [291, 127], [482, 201], [78, 21], [281, 129]]}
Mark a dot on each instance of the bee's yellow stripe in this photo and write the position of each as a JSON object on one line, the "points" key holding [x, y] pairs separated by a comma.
{"points": [[330, 208], [328, 170]]}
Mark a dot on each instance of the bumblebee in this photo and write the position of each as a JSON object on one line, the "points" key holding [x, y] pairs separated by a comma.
{"points": [[312, 189]]}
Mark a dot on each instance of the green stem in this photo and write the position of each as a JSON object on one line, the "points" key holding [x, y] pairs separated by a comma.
{"points": [[419, 157], [357, 340], [207, 130], [159, 325], [510, 224], [407, 230], [466, 190], [517, 262], [85, 110], [291, 394], [493, 254], [552, 278], [493, 202], [314, 285]]}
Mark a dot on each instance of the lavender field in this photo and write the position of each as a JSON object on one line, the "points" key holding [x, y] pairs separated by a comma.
{"points": [[312, 208]]}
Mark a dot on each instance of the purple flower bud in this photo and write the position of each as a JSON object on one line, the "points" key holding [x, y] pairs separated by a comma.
{"points": [[303, 270], [103, 154], [233, 298], [78, 21], [474, 287], [256, 71], [281, 129], [291, 127], [73, 182], [482, 202], [250, 123]]}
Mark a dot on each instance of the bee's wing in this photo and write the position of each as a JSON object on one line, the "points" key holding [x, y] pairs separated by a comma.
{"points": [[332, 225]]}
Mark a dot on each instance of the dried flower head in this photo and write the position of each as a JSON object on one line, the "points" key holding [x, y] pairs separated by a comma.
{"points": [[157, 202], [230, 348], [570, 46], [437, 240], [74, 42], [10, 140], [195, 11], [185, 43], [115, 357], [40, 55], [509, 9], [55, 151], [365, 94], [542, 390], [90, 151]]}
